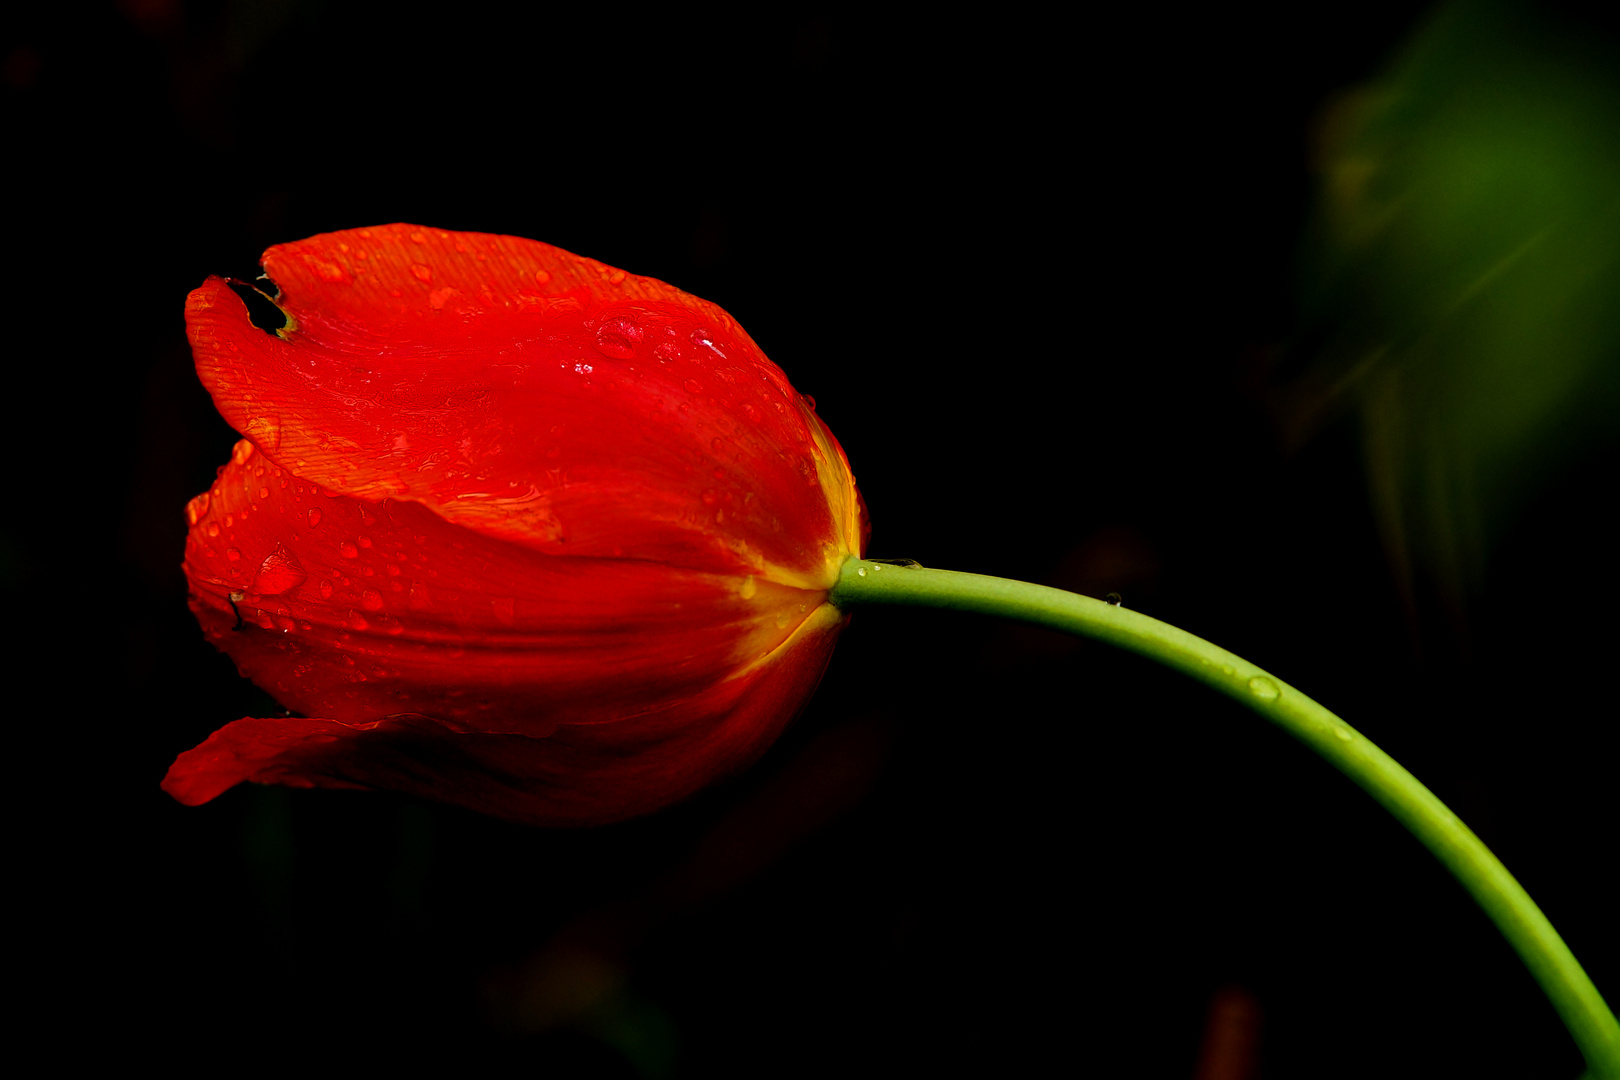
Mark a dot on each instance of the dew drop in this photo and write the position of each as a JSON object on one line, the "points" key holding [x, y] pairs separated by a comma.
{"points": [[213, 528], [1263, 688], [326, 590], [348, 550], [1113, 599], [371, 600], [314, 516], [693, 386], [281, 571], [356, 621], [860, 571], [617, 338], [1343, 733], [702, 340], [233, 555]]}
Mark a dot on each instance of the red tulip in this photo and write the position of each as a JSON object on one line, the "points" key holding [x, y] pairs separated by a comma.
{"points": [[508, 528]]}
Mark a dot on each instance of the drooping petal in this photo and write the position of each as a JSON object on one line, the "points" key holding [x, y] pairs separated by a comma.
{"points": [[581, 775], [535, 396], [353, 610]]}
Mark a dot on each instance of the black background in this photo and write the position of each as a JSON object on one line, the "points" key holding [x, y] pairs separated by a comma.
{"points": [[1039, 278]]}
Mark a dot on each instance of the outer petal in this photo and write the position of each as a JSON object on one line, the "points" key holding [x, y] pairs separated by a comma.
{"points": [[534, 396], [354, 610], [582, 775]]}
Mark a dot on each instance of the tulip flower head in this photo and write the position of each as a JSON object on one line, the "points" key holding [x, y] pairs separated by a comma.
{"points": [[507, 528]]}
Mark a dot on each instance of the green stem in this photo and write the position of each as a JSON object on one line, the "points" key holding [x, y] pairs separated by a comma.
{"points": [[864, 583]]}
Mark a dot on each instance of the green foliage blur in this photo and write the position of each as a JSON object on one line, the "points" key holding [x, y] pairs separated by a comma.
{"points": [[1462, 279]]}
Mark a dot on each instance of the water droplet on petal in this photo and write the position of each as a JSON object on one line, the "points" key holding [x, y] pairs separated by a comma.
{"points": [[371, 600], [702, 340], [314, 516], [326, 590], [693, 386], [1113, 599], [1263, 688], [279, 572], [348, 550], [617, 338]]}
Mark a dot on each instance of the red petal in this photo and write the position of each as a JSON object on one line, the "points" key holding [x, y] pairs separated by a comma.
{"points": [[354, 610], [582, 775], [535, 396]]}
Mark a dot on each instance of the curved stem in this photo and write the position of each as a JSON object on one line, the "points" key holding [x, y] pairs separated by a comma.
{"points": [[864, 583]]}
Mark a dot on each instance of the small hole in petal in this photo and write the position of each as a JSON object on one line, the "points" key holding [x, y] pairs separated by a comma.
{"points": [[262, 311]]}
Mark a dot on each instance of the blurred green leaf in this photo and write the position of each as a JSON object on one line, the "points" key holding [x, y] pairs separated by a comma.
{"points": [[1463, 275]]}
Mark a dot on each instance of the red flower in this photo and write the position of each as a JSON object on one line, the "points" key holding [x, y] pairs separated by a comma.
{"points": [[509, 528]]}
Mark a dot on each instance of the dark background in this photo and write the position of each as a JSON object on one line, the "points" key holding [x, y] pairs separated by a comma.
{"points": [[1059, 291]]}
